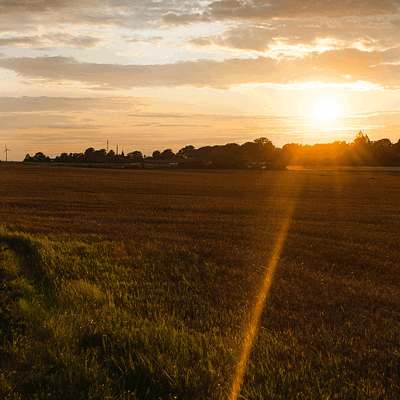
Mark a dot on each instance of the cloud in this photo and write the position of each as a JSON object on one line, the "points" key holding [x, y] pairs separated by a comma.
{"points": [[50, 40], [302, 35], [45, 104], [200, 73], [242, 38], [373, 24], [23, 41], [159, 125], [162, 115], [72, 127], [185, 19], [260, 9], [335, 66], [142, 40], [88, 12], [87, 42]]}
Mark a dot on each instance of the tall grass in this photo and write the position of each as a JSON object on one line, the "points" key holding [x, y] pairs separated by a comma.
{"points": [[98, 323], [83, 319]]}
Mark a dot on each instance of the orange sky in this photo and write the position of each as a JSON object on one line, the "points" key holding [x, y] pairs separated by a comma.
{"points": [[149, 75]]}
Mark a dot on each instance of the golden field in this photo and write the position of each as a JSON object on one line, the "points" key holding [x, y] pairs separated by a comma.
{"points": [[183, 254]]}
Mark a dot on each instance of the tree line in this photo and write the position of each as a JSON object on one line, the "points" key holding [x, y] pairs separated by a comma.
{"points": [[361, 152], [261, 153]]}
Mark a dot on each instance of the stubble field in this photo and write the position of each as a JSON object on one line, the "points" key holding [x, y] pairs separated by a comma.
{"points": [[125, 284]]}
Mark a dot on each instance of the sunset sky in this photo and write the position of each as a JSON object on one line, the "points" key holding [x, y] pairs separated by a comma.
{"points": [[150, 75]]}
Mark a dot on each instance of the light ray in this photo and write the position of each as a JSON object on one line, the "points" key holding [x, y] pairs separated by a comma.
{"points": [[252, 328]]}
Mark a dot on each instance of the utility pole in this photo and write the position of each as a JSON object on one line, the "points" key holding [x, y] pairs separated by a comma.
{"points": [[107, 146], [117, 149]]}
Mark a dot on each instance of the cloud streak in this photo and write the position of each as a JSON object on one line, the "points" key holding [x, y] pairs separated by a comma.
{"points": [[45, 104], [36, 41]]}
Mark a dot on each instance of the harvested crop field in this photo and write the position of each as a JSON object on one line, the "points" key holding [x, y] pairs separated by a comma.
{"points": [[168, 266]]}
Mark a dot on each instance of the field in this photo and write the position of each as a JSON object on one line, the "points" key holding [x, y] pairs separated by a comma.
{"points": [[119, 284]]}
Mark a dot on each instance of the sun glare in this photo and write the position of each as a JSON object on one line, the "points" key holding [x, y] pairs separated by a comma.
{"points": [[326, 109]]}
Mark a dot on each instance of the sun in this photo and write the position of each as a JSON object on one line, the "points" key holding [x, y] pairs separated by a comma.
{"points": [[326, 109]]}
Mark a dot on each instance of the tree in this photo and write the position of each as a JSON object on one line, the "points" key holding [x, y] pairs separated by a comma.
{"points": [[291, 153], [135, 156], [156, 154], [261, 150], [100, 156], [204, 153], [116, 159], [361, 140], [90, 155], [263, 140], [384, 152], [77, 157], [167, 154], [63, 158], [228, 153], [186, 152], [40, 157], [361, 147]]}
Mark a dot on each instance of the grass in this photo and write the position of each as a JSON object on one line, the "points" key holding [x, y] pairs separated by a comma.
{"points": [[139, 284], [93, 327]]}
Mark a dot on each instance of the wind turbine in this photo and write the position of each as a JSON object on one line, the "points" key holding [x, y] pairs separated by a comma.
{"points": [[6, 151]]}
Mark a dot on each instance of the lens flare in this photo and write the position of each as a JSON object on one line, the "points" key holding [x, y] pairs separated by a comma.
{"points": [[252, 328]]}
